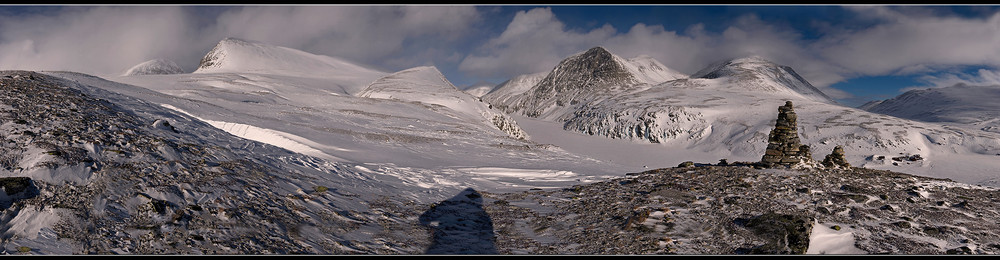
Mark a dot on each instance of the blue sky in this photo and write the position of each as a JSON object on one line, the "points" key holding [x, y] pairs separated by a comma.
{"points": [[854, 53]]}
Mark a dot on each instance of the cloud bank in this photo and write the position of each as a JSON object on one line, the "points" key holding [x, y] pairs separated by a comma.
{"points": [[109, 40], [889, 41], [899, 41]]}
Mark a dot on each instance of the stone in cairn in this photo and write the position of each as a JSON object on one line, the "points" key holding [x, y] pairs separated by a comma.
{"points": [[783, 147], [836, 159]]}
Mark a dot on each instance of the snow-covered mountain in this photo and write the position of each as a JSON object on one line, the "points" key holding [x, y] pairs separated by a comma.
{"points": [[513, 87], [974, 106], [154, 67], [580, 79], [428, 86], [758, 74], [727, 110], [479, 90], [233, 55]]}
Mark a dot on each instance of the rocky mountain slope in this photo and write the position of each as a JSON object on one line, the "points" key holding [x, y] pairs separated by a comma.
{"points": [[582, 78], [110, 174]]}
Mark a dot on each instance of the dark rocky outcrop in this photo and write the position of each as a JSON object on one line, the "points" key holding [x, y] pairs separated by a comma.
{"points": [[784, 233], [15, 185]]}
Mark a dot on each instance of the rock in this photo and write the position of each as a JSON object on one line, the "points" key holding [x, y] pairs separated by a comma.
{"points": [[686, 164], [163, 125], [959, 251], [783, 147], [723, 162], [15, 185], [902, 224], [836, 159], [786, 234]]}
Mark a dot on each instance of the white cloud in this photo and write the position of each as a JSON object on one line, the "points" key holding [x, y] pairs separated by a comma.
{"points": [[103, 40], [534, 41], [913, 42], [368, 34], [982, 77], [109, 40]]}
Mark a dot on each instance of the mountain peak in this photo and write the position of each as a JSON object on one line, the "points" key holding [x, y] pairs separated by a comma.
{"points": [[154, 67], [757, 73], [234, 55], [422, 75], [734, 66], [597, 51]]}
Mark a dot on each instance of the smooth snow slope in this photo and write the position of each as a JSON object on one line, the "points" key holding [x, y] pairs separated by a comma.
{"points": [[243, 56], [428, 86]]}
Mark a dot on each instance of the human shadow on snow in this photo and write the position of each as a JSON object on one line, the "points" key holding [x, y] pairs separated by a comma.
{"points": [[460, 225]]}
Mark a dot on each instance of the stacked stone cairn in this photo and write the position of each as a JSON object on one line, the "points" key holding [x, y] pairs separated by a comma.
{"points": [[836, 159], [783, 147]]}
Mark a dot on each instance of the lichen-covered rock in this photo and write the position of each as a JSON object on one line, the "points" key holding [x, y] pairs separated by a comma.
{"points": [[686, 164], [784, 233], [15, 185]]}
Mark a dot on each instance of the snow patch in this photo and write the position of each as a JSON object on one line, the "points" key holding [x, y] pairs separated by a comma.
{"points": [[284, 140], [825, 240]]}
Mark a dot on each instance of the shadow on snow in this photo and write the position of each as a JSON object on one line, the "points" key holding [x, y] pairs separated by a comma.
{"points": [[460, 225]]}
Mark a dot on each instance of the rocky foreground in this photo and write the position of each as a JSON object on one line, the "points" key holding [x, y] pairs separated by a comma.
{"points": [[742, 210]]}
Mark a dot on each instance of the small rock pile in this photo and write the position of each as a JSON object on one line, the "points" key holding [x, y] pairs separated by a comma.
{"points": [[836, 159]]}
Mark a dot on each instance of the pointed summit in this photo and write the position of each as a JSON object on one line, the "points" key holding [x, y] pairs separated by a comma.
{"points": [[595, 67], [581, 79]]}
